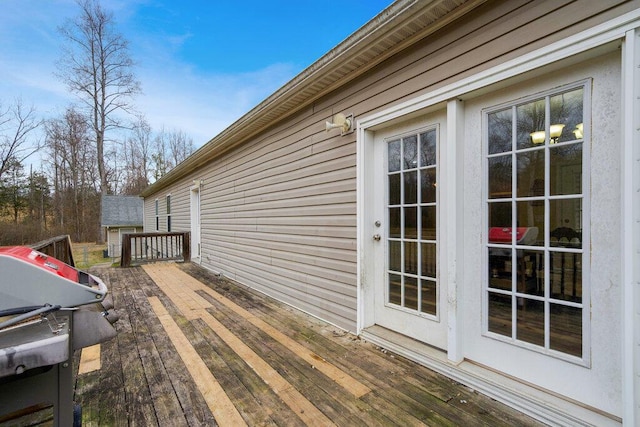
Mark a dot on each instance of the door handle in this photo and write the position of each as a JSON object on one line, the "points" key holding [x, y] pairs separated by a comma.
{"points": [[376, 237]]}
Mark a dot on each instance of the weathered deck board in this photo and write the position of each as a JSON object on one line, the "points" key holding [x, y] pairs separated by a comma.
{"points": [[417, 384], [248, 350]]}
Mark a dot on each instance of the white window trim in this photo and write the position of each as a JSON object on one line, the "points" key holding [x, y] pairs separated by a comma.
{"points": [[157, 215], [167, 201], [436, 241], [624, 27], [585, 360]]}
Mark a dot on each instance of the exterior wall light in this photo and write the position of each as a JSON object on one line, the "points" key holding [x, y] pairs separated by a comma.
{"points": [[342, 122]]}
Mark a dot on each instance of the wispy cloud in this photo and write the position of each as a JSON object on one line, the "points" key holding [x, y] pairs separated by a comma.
{"points": [[176, 93]]}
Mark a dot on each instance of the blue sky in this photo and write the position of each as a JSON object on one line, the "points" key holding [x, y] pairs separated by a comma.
{"points": [[202, 64]]}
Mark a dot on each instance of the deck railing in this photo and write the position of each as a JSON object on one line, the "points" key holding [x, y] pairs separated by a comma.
{"points": [[57, 247], [138, 248]]}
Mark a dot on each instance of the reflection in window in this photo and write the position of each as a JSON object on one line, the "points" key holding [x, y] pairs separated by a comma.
{"points": [[535, 195], [412, 218]]}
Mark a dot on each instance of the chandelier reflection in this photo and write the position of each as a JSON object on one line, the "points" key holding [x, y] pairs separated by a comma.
{"points": [[540, 136]]}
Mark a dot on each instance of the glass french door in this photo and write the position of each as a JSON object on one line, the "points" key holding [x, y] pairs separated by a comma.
{"points": [[409, 296]]}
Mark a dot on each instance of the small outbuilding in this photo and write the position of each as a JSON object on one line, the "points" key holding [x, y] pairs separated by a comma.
{"points": [[120, 215]]}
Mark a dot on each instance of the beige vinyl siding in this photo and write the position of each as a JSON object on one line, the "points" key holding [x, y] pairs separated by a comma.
{"points": [[278, 212], [149, 220], [180, 210]]}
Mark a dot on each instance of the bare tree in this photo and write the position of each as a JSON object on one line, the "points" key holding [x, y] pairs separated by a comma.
{"points": [[96, 65], [73, 161], [180, 146], [171, 148], [136, 158], [16, 127]]}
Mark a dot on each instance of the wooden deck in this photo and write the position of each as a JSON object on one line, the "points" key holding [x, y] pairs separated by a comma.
{"points": [[195, 350]]}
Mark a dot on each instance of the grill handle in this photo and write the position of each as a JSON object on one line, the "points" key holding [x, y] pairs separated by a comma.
{"points": [[37, 311]]}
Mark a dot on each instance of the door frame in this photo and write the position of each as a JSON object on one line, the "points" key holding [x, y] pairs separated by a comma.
{"points": [[195, 216], [524, 398], [427, 328]]}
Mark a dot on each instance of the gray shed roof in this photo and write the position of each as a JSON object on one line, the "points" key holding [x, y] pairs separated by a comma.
{"points": [[122, 211]]}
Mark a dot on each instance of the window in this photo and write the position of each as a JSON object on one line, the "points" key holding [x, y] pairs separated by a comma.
{"points": [[534, 210], [169, 213], [411, 211], [157, 216]]}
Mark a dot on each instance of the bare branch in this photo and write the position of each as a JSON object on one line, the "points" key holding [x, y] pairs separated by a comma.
{"points": [[97, 67]]}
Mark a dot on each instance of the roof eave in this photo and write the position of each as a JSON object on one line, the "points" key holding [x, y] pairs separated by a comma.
{"points": [[396, 27]]}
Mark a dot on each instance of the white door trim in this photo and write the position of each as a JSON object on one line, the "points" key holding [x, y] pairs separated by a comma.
{"points": [[631, 228], [516, 395], [195, 213]]}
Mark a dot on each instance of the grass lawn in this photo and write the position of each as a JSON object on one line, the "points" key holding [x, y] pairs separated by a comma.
{"points": [[87, 254]]}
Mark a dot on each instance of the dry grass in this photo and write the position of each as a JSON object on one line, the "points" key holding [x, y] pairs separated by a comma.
{"points": [[88, 254]]}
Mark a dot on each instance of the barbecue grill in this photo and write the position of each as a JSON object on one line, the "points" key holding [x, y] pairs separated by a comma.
{"points": [[48, 309]]}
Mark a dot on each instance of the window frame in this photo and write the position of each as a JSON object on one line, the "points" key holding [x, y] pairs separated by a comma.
{"points": [[419, 204], [157, 214], [168, 204], [585, 304]]}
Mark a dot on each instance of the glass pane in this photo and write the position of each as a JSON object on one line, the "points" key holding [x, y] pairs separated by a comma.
{"points": [[565, 276], [410, 223], [500, 267], [395, 255], [428, 185], [410, 187], [530, 321], [530, 223], [530, 173], [394, 223], [410, 152], [500, 177], [428, 214], [565, 165], [393, 150], [411, 257], [395, 289], [429, 258], [565, 329], [428, 297], [530, 275], [500, 131], [394, 189], [565, 222], [499, 216], [411, 292], [566, 109], [428, 148], [529, 119], [500, 314]]}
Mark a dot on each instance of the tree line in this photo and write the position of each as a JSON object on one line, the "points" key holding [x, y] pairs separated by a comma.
{"points": [[99, 145]]}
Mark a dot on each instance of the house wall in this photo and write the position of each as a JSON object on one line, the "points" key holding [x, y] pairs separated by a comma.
{"points": [[279, 212]]}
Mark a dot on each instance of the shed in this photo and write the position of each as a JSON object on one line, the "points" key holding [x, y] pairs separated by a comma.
{"points": [[120, 215], [472, 202]]}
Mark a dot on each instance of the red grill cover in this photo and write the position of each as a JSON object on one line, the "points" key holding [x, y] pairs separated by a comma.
{"points": [[503, 234], [41, 260]]}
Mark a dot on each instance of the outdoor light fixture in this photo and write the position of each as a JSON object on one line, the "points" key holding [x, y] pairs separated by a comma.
{"points": [[340, 121], [538, 137]]}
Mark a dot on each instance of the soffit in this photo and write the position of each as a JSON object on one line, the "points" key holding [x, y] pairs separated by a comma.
{"points": [[398, 26]]}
